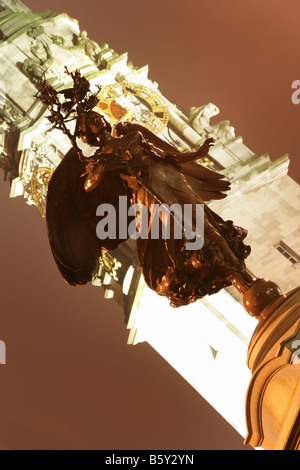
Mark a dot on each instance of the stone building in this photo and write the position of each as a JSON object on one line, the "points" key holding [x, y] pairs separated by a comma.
{"points": [[207, 341]]}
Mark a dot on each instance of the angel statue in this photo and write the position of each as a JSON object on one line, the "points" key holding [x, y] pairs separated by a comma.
{"points": [[131, 161]]}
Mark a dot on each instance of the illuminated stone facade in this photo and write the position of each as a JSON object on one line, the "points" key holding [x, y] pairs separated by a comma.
{"points": [[207, 342]]}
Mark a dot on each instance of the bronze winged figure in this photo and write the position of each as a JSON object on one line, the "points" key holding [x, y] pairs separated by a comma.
{"points": [[131, 161]]}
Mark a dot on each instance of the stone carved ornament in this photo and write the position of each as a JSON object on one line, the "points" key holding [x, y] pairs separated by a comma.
{"points": [[9, 156], [42, 61], [90, 47], [36, 174], [200, 121]]}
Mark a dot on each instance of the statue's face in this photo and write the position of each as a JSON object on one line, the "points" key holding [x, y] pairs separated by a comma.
{"points": [[91, 127], [212, 110]]}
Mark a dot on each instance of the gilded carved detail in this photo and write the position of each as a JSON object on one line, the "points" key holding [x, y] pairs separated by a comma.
{"points": [[35, 175]]}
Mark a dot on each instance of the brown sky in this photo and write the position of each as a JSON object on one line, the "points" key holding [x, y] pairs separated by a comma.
{"points": [[70, 380]]}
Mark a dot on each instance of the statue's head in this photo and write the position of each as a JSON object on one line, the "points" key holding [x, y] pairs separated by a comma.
{"points": [[91, 127], [83, 33]]}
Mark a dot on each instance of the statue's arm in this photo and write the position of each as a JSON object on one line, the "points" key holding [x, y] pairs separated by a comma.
{"points": [[185, 157], [98, 169], [159, 147]]}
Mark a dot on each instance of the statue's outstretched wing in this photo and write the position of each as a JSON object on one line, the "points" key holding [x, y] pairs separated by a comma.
{"points": [[206, 183], [71, 218]]}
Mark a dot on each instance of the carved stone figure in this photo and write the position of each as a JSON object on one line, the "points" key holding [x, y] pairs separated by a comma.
{"points": [[222, 131], [200, 117], [33, 69], [9, 156], [3, 124], [42, 59], [35, 31], [200, 121], [9, 113], [90, 47], [41, 50]]}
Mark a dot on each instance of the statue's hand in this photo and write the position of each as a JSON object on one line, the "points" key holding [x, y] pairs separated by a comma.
{"points": [[204, 149], [112, 161], [96, 169], [109, 161]]}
